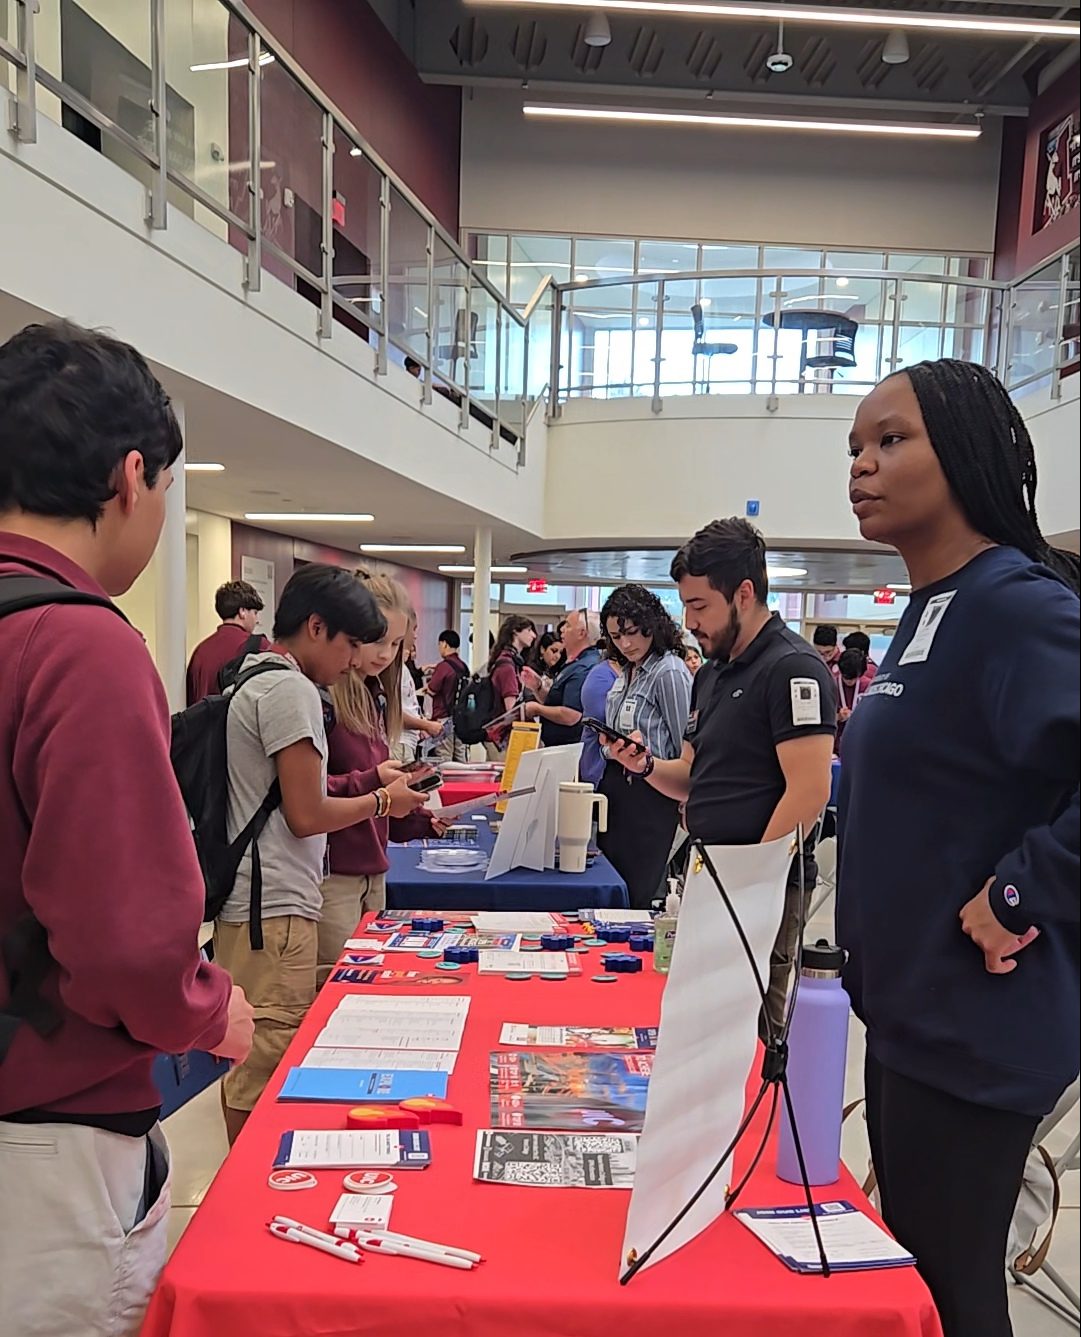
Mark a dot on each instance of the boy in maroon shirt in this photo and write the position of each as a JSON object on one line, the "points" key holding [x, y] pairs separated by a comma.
{"points": [[238, 605], [98, 860]]}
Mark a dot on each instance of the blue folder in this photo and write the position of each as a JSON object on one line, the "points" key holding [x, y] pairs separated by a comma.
{"points": [[361, 1086]]}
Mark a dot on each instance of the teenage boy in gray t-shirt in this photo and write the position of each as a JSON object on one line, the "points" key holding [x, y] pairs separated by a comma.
{"points": [[275, 730]]}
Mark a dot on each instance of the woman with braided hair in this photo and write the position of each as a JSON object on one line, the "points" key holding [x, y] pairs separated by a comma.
{"points": [[963, 947]]}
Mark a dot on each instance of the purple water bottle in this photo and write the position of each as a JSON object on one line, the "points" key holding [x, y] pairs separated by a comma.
{"points": [[817, 1045]]}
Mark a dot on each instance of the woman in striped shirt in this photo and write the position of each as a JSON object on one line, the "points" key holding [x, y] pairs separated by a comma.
{"points": [[651, 697]]}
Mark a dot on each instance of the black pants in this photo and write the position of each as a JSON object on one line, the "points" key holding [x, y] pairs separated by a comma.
{"points": [[949, 1173], [641, 828]]}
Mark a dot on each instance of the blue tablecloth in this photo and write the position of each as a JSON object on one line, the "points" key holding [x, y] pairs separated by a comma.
{"points": [[411, 888]]}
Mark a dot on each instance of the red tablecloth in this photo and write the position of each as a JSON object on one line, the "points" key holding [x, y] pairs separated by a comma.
{"points": [[551, 1255], [461, 791]]}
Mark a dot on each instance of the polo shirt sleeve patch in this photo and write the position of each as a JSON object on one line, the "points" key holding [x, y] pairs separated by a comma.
{"points": [[806, 702]]}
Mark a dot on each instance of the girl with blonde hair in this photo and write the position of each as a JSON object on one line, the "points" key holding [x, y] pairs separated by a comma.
{"points": [[368, 715]]}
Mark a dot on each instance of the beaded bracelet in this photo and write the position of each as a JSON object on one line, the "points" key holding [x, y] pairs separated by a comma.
{"points": [[647, 770]]}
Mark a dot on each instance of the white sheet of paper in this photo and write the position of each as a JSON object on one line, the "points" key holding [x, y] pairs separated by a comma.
{"points": [[389, 1037], [476, 804], [318, 1149], [363, 945], [706, 1042], [374, 1003], [533, 963], [415, 1060], [849, 1237], [602, 915], [513, 921]]}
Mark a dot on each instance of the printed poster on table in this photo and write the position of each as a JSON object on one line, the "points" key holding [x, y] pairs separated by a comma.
{"points": [[606, 1092], [555, 1160]]}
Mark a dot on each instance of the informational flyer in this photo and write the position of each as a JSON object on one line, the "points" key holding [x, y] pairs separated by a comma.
{"points": [[555, 1160], [526, 1035], [529, 963], [569, 1091]]}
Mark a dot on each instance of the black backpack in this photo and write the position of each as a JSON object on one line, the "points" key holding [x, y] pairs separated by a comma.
{"points": [[229, 672], [199, 754], [25, 949], [475, 706]]}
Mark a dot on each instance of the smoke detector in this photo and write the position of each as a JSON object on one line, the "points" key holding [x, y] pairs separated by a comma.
{"points": [[780, 62]]}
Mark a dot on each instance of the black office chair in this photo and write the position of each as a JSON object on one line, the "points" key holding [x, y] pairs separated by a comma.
{"points": [[842, 344], [701, 349]]}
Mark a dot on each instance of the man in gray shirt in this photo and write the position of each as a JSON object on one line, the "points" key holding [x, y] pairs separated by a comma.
{"points": [[275, 731]]}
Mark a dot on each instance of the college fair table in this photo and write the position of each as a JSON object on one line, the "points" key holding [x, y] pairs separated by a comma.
{"points": [[551, 1255], [410, 887]]}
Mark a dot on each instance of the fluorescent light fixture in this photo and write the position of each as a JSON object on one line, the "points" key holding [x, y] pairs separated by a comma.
{"points": [[461, 570], [412, 547], [553, 111], [901, 589], [319, 517], [267, 58], [855, 18], [785, 572], [190, 467]]}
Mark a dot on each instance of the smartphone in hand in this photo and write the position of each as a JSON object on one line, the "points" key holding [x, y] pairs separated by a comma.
{"points": [[606, 731]]}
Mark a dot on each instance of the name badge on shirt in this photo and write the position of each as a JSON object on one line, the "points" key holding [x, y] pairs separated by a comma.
{"points": [[806, 701], [919, 647], [627, 712]]}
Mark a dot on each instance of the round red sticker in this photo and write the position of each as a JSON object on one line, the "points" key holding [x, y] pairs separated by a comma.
{"points": [[369, 1181], [291, 1180]]}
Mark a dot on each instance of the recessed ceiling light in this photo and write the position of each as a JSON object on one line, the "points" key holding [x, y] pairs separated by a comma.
{"points": [[893, 128], [457, 569], [320, 517], [785, 572], [412, 547], [191, 467], [901, 589], [581, 278], [842, 282], [354, 152], [706, 301], [857, 18]]}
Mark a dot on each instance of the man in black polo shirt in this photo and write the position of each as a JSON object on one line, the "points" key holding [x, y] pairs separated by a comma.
{"points": [[756, 758]]}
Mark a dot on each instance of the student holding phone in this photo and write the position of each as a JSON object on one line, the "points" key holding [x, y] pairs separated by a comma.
{"points": [[368, 709], [651, 697]]}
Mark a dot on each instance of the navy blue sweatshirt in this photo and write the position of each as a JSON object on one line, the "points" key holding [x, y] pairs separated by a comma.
{"points": [[961, 763]]}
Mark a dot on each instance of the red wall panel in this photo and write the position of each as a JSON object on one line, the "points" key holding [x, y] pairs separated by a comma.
{"points": [[1018, 246], [430, 594], [415, 127]]}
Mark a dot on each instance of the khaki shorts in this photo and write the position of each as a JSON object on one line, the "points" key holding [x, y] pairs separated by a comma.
{"points": [[346, 900], [280, 985]]}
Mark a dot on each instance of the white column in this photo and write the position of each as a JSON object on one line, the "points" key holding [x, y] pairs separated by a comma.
{"points": [[170, 587], [482, 584]]}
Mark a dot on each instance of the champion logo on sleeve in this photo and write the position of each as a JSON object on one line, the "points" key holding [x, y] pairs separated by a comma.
{"points": [[1011, 896]]}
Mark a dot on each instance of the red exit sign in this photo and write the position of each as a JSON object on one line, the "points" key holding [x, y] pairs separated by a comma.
{"points": [[536, 587], [885, 596]]}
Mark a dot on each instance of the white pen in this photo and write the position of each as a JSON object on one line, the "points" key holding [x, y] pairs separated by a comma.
{"points": [[402, 1249], [427, 1244], [315, 1240]]}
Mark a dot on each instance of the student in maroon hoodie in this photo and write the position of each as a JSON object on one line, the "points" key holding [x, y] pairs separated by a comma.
{"points": [[368, 713], [97, 855], [238, 605]]}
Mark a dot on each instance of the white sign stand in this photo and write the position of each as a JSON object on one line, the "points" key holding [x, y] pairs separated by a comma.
{"points": [[527, 833], [705, 1044]]}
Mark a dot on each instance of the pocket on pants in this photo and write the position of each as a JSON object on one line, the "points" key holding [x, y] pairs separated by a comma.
{"points": [[141, 1254]]}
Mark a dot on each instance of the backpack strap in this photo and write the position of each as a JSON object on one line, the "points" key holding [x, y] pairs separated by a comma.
{"points": [[18, 593], [24, 950], [27, 961], [254, 828]]}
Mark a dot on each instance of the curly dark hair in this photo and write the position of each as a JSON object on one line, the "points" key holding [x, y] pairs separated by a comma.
{"points": [[635, 606]]}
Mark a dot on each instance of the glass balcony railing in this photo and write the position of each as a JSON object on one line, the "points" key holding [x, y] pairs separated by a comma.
{"points": [[197, 100], [807, 331]]}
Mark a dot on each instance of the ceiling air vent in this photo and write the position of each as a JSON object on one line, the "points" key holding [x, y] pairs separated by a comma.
{"points": [[646, 53], [586, 59], [704, 57], [469, 42], [529, 47]]}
